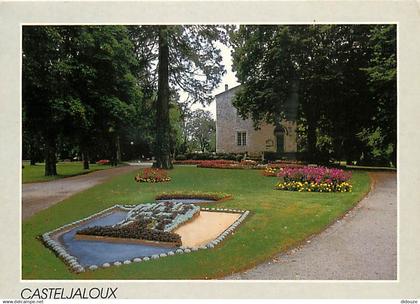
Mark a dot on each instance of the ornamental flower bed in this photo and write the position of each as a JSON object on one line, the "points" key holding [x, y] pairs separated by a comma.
{"points": [[314, 187], [216, 196], [220, 164], [74, 263], [150, 222], [152, 175], [229, 164], [103, 162], [187, 162], [138, 229], [314, 179], [271, 171], [165, 216]]}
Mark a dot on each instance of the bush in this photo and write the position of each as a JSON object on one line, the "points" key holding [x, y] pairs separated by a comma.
{"points": [[181, 157], [192, 195]]}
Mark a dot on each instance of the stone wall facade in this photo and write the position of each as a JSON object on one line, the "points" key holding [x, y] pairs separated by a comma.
{"points": [[229, 123]]}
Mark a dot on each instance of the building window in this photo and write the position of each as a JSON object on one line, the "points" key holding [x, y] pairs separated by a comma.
{"points": [[241, 138]]}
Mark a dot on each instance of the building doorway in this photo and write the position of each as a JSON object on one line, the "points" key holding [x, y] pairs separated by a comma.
{"points": [[280, 143]]}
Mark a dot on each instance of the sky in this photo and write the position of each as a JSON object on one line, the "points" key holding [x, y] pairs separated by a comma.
{"points": [[229, 79]]}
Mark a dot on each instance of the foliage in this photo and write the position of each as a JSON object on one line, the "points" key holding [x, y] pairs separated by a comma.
{"points": [[228, 164], [201, 128], [80, 80], [210, 156], [382, 76], [152, 175]]}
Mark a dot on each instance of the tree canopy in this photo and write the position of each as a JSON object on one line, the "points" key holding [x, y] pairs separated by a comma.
{"points": [[337, 71], [180, 57], [79, 84]]}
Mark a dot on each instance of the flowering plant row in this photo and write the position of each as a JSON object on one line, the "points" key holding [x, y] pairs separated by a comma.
{"points": [[152, 175], [314, 175], [206, 162], [314, 187], [227, 164], [103, 162], [274, 169]]}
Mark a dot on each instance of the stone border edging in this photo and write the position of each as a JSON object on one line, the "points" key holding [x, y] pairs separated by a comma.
{"points": [[74, 265]]}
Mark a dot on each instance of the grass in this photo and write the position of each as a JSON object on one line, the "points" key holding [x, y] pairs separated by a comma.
{"points": [[35, 173], [278, 220]]}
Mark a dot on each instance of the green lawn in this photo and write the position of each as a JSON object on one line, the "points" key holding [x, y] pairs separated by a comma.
{"points": [[278, 220], [31, 174]]}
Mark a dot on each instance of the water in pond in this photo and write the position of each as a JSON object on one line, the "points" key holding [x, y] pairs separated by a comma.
{"points": [[96, 252]]}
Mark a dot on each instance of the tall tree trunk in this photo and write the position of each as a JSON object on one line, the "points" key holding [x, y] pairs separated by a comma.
{"points": [[162, 147], [85, 156], [50, 157], [311, 140]]}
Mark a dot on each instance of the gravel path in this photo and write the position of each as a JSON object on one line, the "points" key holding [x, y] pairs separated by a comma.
{"points": [[361, 246], [40, 196]]}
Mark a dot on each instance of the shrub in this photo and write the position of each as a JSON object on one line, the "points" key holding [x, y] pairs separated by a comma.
{"points": [[152, 175]]}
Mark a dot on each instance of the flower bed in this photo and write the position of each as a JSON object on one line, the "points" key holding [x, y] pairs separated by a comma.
{"points": [[152, 175], [314, 179], [271, 171], [220, 164], [151, 222], [216, 196], [187, 162], [103, 162], [227, 164], [138, 229]]}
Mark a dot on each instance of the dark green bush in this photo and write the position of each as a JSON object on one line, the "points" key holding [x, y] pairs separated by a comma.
{"points": [[136, 230]]}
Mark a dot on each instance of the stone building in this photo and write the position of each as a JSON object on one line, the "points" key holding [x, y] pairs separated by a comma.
{"points": [[236, 135]]}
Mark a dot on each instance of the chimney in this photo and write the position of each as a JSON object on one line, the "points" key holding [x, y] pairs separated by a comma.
{"points": [[226, 87]]}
